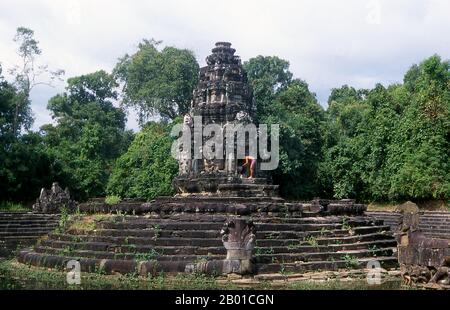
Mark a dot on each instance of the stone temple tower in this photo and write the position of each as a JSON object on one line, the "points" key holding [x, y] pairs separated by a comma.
{"points": [[222, 97]]}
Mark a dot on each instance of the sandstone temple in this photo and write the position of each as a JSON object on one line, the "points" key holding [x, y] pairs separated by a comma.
{"points": [[223, 98], [219, 222]]}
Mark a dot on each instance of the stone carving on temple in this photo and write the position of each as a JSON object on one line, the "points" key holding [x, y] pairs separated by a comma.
{"points": [[222, 97], [239, 237], [54, 200], [422, 259]]}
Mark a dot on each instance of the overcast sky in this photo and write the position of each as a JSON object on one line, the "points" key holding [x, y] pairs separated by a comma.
{"points": [[328, 43]]}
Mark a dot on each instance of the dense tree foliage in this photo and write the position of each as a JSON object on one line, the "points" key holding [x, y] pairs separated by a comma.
{"points": [[147, 169], [24, 165], [90, 132], [289, 103], [268, 75], [158, 83], [300, 116], [392, 143]]}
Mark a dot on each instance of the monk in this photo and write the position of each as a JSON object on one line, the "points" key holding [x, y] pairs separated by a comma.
{"points": [[250, 162]]}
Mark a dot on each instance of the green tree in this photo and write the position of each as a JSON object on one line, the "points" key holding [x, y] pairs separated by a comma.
{"points": [[24, 166], [147, 169], [392, 142], [90, 132], [289, 103], [28, 75], [268, 75], [8, 97], [419, 155], [300, 117], [158, 82]]}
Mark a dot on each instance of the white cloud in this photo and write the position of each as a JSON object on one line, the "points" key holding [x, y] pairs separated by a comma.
{"points": [[328, 43]]}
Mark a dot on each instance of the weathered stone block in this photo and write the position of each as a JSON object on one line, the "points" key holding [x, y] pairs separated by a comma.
{"points": [[54, 200]]}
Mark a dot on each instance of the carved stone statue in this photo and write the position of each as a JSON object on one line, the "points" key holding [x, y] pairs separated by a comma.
{"points": [[238, 237], [422, 259], [53, 200]]}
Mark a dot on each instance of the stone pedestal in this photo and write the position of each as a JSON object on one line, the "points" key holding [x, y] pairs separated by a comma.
{"points": [[238, 237]]}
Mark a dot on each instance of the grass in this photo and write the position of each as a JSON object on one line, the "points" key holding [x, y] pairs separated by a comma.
{"points": [[345, 285], [345, 224], [83, 223], [12, 206], [373, 250], [112, 200], [432, 205], [311, 240], [350, 261], [16, 276], [152, 254], [263, 251]]}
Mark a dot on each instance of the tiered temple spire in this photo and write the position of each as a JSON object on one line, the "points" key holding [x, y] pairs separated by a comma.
{"points": [[222, 97]]}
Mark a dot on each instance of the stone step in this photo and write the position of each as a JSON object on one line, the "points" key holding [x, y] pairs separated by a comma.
{"points": [[18, 242], [322, 241], [321, 256], [112, 264], [206, 242], [432, 224], [438, 225], [263, 258], [322, 233], [354, 221], [14, 227], [18, 238], [173, 225], [130, 266], [271, 234], [361, 263], [293, 248], [109, 266], [438, 235], [257, 218], [27, 221], [426, 217], [423, 219], [300, 247], [437, 230], [132, 248], [25, 232], [142, 240], [125, 256], [216, 233], [423, 224], [28, 215]]}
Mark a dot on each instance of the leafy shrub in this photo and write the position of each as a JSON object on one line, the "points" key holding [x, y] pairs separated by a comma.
{"points": [[147, 169], [112, 200]]}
